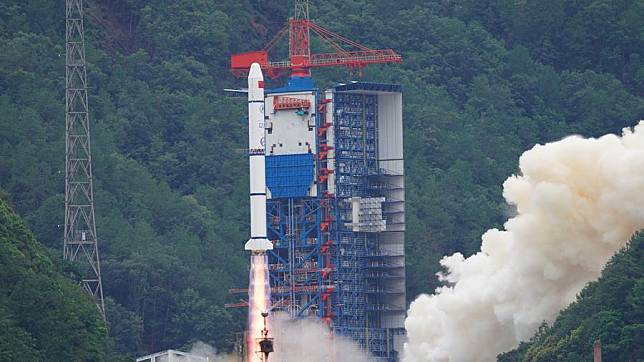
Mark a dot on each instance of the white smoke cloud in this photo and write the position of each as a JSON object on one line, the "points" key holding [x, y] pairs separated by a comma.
{"points": [[578, 201], [202, 349], [298, 340]]}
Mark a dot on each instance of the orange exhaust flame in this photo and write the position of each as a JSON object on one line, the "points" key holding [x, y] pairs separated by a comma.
{"points": [[259, 296]]}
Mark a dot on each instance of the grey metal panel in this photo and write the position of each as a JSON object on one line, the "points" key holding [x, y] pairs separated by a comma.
{"points": [[391, 163], [390, 132]]}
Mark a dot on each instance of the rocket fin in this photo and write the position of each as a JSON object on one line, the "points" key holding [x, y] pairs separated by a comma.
{"points": [[258, 245]]}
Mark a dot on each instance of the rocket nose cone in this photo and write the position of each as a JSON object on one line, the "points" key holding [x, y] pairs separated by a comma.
{"points": [[255, 72]]}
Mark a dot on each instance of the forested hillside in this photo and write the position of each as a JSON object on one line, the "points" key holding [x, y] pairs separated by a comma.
{"points": [[610, 309], [480, 86], [44, 316]]}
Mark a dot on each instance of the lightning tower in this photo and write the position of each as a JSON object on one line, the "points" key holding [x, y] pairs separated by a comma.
{"points": [[80, 240]]}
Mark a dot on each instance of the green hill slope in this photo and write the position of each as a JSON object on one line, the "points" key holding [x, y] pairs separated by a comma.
{"points": [[43, 316], [610, 309]]}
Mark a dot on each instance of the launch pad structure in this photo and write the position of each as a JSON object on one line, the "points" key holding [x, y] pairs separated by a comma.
{"points": [[335, 209], [335, 197]]}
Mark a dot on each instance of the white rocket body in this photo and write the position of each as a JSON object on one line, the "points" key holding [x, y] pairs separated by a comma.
{"points": [[258, 241]]}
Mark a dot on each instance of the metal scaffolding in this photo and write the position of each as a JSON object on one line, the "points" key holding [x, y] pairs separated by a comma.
{"points": [[296, 261], [364, 274], [338, 231], [80, 240]]}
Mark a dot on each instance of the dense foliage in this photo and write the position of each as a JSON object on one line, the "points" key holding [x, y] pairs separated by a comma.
{"points": [[610, 310], [171, 183], [601, 35], [44, 316]]}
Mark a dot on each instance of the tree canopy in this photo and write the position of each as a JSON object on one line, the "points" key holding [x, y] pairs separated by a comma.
{"points": [[44, 316]]}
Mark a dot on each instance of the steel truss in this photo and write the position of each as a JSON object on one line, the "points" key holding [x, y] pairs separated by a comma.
{"points": [[80, 239]]}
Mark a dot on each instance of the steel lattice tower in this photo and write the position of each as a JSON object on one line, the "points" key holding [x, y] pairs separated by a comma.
{"points": [[80, 240]]}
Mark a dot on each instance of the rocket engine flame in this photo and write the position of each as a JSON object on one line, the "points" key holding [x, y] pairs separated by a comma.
{"points": [[259, 297], [578, 202]]}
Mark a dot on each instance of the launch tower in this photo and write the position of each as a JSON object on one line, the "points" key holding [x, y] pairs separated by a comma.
{"points": [[335, 190]]}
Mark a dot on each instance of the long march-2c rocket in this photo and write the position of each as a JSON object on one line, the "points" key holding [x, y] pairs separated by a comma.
{"points": [[258, 241], [259, 344]]}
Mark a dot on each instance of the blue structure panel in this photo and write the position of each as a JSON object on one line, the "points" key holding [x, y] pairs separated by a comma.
{"points": [[295, 84], [289, 176]]}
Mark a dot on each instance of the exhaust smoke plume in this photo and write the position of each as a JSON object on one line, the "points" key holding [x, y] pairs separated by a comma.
{"points": [[578, 201], [202, 349], [298, 340]]}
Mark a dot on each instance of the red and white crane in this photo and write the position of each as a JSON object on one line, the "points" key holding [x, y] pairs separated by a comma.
{"points": [[300, 59]]}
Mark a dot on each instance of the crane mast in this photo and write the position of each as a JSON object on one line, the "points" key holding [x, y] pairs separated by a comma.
{"points": [[299, 40], [301, 60]]}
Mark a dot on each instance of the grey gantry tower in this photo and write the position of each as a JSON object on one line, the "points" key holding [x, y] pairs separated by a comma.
{"points": [[80, 241]]}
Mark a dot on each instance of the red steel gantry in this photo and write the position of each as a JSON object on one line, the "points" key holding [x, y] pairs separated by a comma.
{"points": [[300, 59]]}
